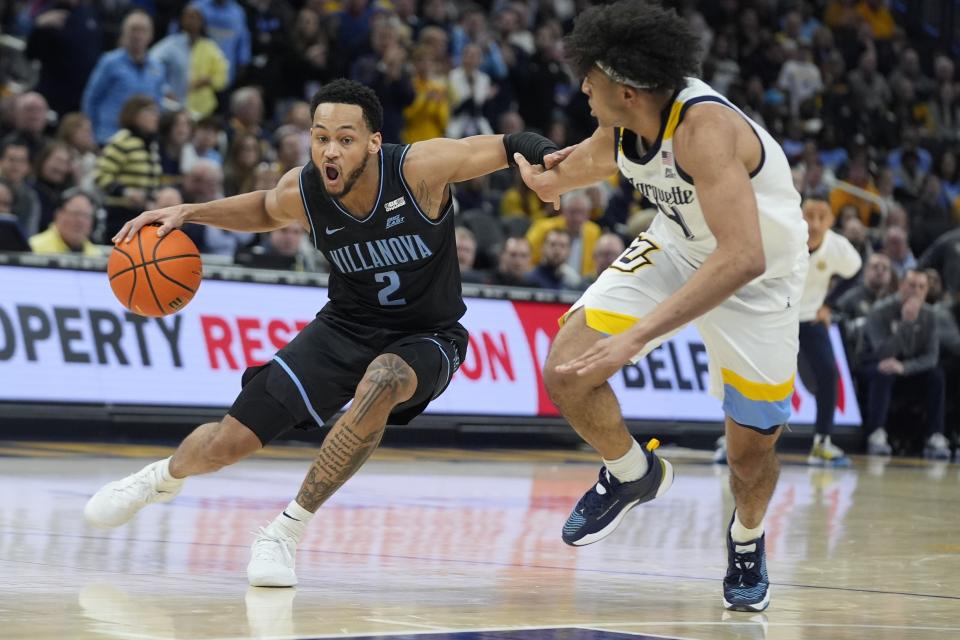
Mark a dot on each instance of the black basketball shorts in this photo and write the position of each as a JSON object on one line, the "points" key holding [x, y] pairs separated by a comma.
{"points": [[317, 373]]}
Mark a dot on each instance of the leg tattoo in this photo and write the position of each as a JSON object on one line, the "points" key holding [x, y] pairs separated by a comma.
{"points": [[388, 382], [342, 453]]}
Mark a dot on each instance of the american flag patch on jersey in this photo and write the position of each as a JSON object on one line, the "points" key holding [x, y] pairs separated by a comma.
{"points": [[666, 157]]}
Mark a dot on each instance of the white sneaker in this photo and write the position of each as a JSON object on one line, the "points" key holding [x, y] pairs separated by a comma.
{"points": [[938, 447], [720, 453], [272, 560], [117, 502], [877, 444]]}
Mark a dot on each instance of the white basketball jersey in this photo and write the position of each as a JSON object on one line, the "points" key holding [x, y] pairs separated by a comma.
{"points": [[680, 224]]}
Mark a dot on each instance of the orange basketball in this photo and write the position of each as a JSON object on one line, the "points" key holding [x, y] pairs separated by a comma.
{"points": [[154, 276]]}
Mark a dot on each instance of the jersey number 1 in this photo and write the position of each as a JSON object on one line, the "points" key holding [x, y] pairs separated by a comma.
{"points": [[392, 278]]}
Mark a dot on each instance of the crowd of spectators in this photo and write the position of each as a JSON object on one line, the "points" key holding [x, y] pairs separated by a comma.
{"points": [[107, 108]]}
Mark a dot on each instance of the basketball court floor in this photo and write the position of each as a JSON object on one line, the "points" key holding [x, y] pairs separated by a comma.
{"points": [[441, 544]]}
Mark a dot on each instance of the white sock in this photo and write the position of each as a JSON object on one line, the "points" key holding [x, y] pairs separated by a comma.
{"points": [[167, 481], [818, 438], [740, 533], [631, 466], [293, 521]]}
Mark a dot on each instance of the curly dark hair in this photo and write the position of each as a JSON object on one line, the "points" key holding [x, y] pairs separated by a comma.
{"points": [[639, 40], [342, 91]]}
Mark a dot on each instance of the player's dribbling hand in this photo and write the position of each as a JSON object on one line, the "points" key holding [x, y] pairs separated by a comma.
{"points": [[539, 180], [605, 357], [168, 218]]}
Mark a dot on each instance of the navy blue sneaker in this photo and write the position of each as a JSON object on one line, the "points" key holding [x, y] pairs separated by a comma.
{"points": [[746, 586], [602, 508]]}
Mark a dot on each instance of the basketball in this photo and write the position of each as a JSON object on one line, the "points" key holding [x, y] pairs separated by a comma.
{"points": [[154, 276]]}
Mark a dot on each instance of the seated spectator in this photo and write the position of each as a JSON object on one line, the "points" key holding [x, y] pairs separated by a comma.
{"points": [[195, 68], [514, 267], [466, 254], [76, 132], [897, 248], [885, 188], [944, 256], [128, 170], [165, 197], [246, 111], [15, 169], [876, 285], [814, 184], [858, 176], [930, 216], [553, 272], [575, 207], [204, 183], [53, 174], [243, 157], [854, 231], [71, 227], [608, 248], [280, 249], [30, 121], [902, 354], [206, 142], [290, 153], [174, 146], [948, 170], [122, 74]]}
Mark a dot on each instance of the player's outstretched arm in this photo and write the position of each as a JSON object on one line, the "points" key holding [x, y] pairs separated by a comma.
{"points": [[578, 166], [256, 211]]}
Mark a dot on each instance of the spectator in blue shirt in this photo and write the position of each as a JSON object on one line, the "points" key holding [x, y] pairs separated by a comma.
{"points": [[227, 26], [121, 74]]}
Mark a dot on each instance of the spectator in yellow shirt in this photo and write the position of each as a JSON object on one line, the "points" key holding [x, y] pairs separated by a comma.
{"points": [[519, 201], [867, 210], [575, 218], [71, 227], [878, 16], [426, 117]]}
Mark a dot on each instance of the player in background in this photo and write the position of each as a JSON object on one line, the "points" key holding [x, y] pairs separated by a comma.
{"points": [[389, 337], [727, 251]]}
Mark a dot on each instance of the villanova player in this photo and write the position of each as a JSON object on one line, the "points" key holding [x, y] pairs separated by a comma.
{"points": [[727, 251], [389, 337]]}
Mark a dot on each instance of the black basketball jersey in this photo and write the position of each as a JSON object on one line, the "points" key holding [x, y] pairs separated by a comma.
{"points": [[396, 268]]}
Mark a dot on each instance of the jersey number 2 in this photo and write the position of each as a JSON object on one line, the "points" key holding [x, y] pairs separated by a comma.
{"points": [[392, 278]]}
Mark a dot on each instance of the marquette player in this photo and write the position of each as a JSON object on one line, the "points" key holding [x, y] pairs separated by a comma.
{"points": [[389, 338], [727, 251]]}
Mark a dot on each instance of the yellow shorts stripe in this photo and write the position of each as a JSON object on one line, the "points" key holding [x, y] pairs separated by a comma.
{"points": [[608, 322], [758, 390]]}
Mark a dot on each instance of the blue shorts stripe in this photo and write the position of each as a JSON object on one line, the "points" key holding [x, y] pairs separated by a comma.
{"points": [[758, 414], [303, 392]]}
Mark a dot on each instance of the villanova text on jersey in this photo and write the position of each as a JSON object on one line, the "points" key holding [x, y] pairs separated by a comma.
{"points": [[376, 254], [393, 268]]}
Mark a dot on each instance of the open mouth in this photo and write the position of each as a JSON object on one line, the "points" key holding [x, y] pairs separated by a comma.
{"points": [[331, 172]]}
